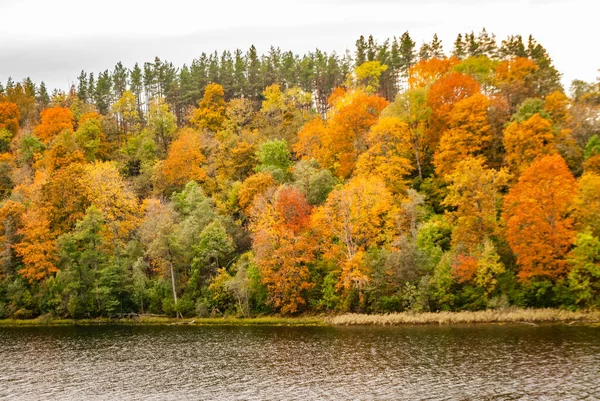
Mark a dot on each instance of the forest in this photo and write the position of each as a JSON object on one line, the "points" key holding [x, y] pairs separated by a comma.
{"points": [[390, 178]]}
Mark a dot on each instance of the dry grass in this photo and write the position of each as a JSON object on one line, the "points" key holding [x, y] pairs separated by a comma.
{"points": [[487, 316]]}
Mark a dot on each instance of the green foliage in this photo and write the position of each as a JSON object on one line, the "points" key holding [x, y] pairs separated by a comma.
{"points": [[592, 147], [584, 279], [274, 157], [528, 108]]}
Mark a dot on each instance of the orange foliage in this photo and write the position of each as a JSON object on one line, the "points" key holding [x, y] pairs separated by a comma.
{"points": [[441, 98], [9, 117], [37, 248], [425, 72], [514, 78], [184, 163], [360, 215], [525, 141], [293, 208], [309, 139], [254, 185], [389, 153], [469, 134], [538, 228], [54, 121], [283, 246], [344, 136], [557, 104], [464, 268]]}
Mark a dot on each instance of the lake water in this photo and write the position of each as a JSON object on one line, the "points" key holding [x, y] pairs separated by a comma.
{"points": [[479, 362]]}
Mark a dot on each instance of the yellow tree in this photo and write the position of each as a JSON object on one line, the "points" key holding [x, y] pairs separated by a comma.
{"points": [[475, 193], [469, 134], [539, 229], [37, 247], [355, 217], [526, 141], [253, 186], [210, 113], [411, 108], [366, 76], [126, 110], [388, 154], [107, 190], [586, 207]]}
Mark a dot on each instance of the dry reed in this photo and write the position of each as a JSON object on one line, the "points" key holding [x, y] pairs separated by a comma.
{"points": [[487, 316]]}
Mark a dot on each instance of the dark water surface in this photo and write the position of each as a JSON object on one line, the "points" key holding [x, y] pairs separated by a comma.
{"points": [[481, 362]]}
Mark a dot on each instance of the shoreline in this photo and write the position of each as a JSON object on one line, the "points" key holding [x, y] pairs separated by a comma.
{"points": [[525, 316]]}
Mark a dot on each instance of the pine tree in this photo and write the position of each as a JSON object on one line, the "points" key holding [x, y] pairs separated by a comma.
{"points": [[407, 53], [120, 77], [371, 49], [488, 44], [82, 87], [42, 98], [137, 86], [361, 51], [239, 75], [437, 50], [254, 85], [459, 50]]}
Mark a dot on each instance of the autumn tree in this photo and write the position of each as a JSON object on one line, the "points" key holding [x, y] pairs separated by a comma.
{"points": [[468, 134], [37, 247], [366, 76], [54, 120], [481, 267], [514, 77], [90, 138], [586, 206], [354, 218], [185, 162], [126, 110], [344, 137], [283, 246], [109, 193], [210, 113], [9, 117], [526, 141], [157, 233], [411, 108], [253, 186], [442, 97], [538, 227], [476, 193], [425, 72], [389, 153], [162, 124]]}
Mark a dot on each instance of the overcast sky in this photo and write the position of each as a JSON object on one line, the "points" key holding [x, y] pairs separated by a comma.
{"points": [[53, 41]]}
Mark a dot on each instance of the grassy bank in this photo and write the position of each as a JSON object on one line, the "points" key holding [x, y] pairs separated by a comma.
{"points": [[166, 321], [528, 316]]}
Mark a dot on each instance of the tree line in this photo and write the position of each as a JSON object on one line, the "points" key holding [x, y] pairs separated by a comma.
{"points": [[390, 179]]}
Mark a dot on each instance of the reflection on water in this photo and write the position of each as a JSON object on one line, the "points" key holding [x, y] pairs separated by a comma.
{"points": [[481, 362]]}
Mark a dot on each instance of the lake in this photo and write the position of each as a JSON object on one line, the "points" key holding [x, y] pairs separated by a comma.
{"points": [[470, 362]]}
